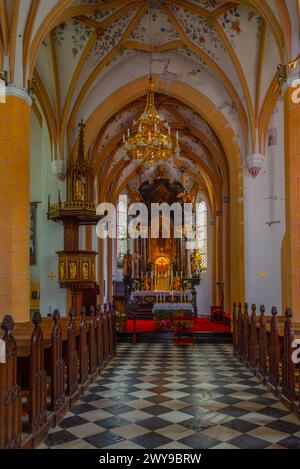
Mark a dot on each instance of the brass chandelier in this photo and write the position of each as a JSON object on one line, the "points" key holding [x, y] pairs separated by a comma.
{"points": [[150, 139]]}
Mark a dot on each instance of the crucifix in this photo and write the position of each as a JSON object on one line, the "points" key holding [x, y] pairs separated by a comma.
{"points": [[51, 277]]}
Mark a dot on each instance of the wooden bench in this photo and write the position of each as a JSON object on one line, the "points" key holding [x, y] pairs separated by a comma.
{"points": [[266, 345], [49, 363]]}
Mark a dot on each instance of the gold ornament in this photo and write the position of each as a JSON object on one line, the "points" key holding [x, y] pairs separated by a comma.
{"points": [[151, 139]]}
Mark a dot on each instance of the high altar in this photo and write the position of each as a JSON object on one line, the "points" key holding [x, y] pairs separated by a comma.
{"points": [[162, 267]]}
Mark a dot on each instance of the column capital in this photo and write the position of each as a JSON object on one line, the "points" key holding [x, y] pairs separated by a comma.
{"points": [[14, 90]]}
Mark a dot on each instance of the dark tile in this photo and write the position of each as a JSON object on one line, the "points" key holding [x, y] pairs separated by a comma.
{"points": [[112, 422], [59, 438], [223, 390], [160, 389], [234, 411], [263, 400], [158, 399], [197, 424], [193, 399], [273, 412], [291, 442], [118, 409], [73, 422], [81, 408], [103, 439], [151, 440], [90, 398], [200, 441], [153, 423], [240, 425], [123, 398], [228, 400], [249, 442], [156, 410], [195, 411], [257, 392], [283, 426]]}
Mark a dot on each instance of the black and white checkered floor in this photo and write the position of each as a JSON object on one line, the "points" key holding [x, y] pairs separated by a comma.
{"points": [[158, 396]]}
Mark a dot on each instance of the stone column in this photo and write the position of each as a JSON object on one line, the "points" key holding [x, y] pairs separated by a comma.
{"points": [[14, 204]]}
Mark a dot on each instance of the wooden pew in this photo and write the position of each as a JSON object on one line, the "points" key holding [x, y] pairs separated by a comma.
{"points": [[105, 335], [275, 353], [59, 402], [52, 359], [100, 339], [112, 332], [290, 382], [246, 334], [262, 346], [84, 379], [240, 332], [234, 329], [253, 341], [10, 392], [37, 392], [92, 345], [72, 361]]}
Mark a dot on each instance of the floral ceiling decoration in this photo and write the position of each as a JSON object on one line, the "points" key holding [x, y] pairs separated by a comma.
{"points": [[82, 52]]}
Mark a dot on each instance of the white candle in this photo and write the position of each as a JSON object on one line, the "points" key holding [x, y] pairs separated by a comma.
{"points": [[2, 351]]}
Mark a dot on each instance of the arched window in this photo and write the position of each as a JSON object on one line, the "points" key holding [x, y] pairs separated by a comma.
{"points": [[121, 232], [202, 233]]}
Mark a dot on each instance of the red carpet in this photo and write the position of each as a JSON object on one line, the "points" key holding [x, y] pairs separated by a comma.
{"points": [[201, 325]]}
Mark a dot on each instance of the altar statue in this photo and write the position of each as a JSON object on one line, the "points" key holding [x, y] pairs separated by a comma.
{"points": [[147, 283], [80, 190], [177, 284], [127, 265], [196, 261]]}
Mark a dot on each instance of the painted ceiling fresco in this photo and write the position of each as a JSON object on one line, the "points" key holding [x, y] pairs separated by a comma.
{"points": [[212, 34], [81, 52]]}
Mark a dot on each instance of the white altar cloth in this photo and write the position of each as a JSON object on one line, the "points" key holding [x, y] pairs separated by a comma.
{"points": [[172, 307]]}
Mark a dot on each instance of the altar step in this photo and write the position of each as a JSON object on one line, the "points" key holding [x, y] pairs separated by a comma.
{"points": [[143, 312], [167, 337]]}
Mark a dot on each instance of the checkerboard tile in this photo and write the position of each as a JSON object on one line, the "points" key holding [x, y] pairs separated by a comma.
{"points": [[157, 396]]}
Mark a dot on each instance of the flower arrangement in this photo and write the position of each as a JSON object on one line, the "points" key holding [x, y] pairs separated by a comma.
{"points": [[166, 325]]}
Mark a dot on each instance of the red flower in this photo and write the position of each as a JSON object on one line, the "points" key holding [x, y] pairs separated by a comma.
{"points": [[201, 39]]}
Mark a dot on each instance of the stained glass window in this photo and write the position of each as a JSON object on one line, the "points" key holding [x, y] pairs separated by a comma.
{"points": [[202, 233], [121, 232]]}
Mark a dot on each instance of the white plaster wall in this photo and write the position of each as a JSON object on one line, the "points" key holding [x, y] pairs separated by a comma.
{"points": [[49, 234], [265, 202], [204, 290]]}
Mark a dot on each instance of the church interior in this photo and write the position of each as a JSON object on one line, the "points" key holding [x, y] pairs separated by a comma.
{"points": [[134, 342]]}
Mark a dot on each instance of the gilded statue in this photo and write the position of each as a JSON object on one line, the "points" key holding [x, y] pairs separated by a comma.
{"points": [[62, 270], [127, 265], [80, 190], [147, 284], [73, 270], [177, 284], [85, 271], [189, 197], [196, 261]]}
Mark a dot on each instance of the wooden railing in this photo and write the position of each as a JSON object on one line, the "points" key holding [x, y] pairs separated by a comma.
{"points": [[266, 345], [49, 363]]}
